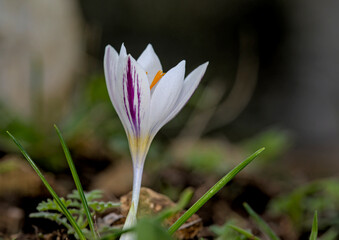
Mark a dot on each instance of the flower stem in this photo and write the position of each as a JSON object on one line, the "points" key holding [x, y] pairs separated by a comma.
{"points": [[132, 214], [137, 178]]}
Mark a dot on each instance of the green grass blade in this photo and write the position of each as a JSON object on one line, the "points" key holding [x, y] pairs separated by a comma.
{"points": [[261, 223], [77, 182], [314, 232], [50, 189], [244, 232], [212, 191]]}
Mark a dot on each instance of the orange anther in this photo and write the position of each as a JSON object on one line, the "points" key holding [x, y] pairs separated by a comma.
{"points": [[156, 79]]}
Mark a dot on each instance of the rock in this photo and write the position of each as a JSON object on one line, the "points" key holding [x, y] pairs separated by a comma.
{"points": [[41, 52], [11, 218], [18, 179], [152, 203], [116, 180]]}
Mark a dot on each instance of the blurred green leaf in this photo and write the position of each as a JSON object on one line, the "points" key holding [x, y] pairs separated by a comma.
{"points": [[148, 229], [277, 142], [90, 196], [225, 232], [102, 206], [55, 217], [299, 204], [185, 197], [264, 227], [243, 232], [96, 90], [52, 205], [314, 231], [330, 234], [206, 159], [50, 210]]}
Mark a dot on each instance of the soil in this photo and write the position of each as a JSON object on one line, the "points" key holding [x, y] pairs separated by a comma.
{"points": [[20, 196]]}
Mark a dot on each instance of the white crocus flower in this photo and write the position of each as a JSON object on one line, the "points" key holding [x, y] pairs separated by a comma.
{"points": [[145, 99]]}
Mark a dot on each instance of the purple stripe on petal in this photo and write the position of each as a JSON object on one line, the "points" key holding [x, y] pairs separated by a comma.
{"points": [[131, 87], [138, 95]]}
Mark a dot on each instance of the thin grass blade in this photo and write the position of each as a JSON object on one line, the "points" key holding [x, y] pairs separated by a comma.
{"points": [[264, 227], [212, 191], [314, 232], [244, 232], [50, 189], [77, 182]]}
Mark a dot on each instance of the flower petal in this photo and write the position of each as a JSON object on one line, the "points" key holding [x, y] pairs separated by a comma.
{"points": [[150, 62], [123, 52], [110, 65], [165, 96], [190, 84], [134, 97]]}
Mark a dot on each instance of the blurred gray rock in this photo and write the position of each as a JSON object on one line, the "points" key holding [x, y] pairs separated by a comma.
{"points": [[314, 44], [40, 53]]}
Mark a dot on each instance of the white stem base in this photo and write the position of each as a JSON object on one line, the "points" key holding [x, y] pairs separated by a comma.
{"points": [[131, 219]]}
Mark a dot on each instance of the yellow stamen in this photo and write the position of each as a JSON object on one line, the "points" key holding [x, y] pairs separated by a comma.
{"points": [[156, 79]]}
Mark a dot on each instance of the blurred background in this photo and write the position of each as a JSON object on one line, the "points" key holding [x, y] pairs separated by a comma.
{"points": [[272, 81]]}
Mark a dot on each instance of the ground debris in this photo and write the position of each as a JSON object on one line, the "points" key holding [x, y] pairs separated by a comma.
{"points": [[56, 235]]}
